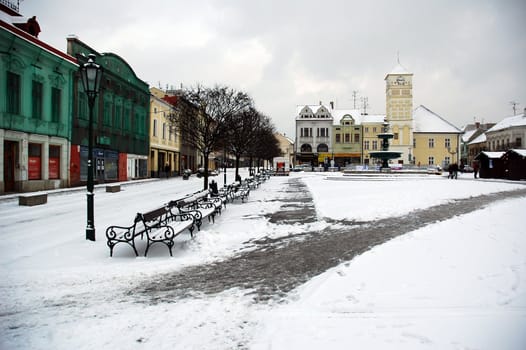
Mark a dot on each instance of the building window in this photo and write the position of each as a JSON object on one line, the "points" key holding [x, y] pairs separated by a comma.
{"points": [[366, 145], [374, 129], [447, 143], [55, 104], [54, 162], [395, 136], [37, 99], [13, 93], [83, 106], [414, 143], [154, 129], [338, 138], [375, 145], [447, 160], [164, 131], [366, 129], [34, 161], [431, 143], [118, 117], [518, 142], [306, 132], [347, 138], [126, 125], [431, 160], [356, 138]]}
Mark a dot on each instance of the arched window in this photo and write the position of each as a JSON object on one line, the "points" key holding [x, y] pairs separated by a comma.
{"points": [[323, 148], [306, 148]]}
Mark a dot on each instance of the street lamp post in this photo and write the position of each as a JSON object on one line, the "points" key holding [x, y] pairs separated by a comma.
{"points": [[90, 73], [224, 167]]}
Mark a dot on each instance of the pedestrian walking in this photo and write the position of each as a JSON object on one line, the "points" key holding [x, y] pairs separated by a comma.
{"points": [[475, 169]]}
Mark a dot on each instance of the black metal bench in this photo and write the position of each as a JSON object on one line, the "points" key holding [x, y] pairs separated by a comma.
{"points": [[160, 225], [239, 190], [195, 206]]}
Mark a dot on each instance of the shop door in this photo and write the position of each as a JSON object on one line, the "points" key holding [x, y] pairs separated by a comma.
{"points": [[100, 170], [10, 157]]}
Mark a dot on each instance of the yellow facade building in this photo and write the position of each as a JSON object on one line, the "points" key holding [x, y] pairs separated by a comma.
{"points": [[399, 110], [165, 143], [435, 140]]}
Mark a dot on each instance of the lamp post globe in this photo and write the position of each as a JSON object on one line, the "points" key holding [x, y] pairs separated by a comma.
{"points": [[90, 73]]}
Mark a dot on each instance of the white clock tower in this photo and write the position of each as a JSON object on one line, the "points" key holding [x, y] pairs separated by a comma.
{"points": [[399, 110]]}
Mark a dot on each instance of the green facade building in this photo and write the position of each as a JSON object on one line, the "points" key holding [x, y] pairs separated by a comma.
{"points": [[36, 84], [121, 120]]}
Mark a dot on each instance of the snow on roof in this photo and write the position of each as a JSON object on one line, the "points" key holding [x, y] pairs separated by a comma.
{"points": [[521, 152], [313, 108], [508, 122], [425, 120], [373, 118], [468, 135], [479, 139], [338, 114], [399, 69], [492, 155]]}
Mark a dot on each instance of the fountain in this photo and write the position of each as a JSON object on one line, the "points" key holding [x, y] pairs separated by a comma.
{"points": [[385, 155]]}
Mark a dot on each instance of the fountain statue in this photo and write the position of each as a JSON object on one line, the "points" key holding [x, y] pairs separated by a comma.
{"points": [[385, 155]]}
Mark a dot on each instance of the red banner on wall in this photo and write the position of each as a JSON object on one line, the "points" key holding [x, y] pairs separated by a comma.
{"points": [[33, 168]]}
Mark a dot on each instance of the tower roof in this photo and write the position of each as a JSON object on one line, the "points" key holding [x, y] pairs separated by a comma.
{"points": [[399, 69]]}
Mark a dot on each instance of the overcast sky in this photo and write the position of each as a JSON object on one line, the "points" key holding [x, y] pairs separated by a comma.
{"points": [[468, 57]]}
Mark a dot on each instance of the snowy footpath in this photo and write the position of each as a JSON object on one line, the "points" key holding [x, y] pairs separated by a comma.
{"points": [[459, 283]]}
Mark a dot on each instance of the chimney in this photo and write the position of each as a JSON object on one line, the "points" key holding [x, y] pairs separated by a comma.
{"points": [[332, 105]]}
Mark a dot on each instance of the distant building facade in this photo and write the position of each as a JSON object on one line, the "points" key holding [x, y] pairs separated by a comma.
{"points": [[286, 145], [325, 133], [121, 121], [509, 133], [399, 111], [165, 141], [435, 140], [313, 134]]}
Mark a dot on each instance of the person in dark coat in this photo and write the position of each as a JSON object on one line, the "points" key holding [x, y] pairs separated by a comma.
{"points": [[475, 169]]}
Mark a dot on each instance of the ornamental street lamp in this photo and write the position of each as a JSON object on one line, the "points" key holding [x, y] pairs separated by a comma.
{"points": [[90, 73]]}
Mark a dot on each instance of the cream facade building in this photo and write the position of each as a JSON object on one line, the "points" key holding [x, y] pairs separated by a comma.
{"points": [[286, 145]]}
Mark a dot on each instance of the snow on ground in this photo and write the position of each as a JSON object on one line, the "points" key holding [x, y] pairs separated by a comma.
{"points": [[456, 284]]}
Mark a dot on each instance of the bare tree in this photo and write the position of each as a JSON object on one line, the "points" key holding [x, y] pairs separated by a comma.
{"points": [[242, 133], [202, 116], [265, 145]]}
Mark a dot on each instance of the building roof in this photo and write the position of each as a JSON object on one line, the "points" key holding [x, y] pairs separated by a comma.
{"points": [[424, 120], [508, 122], [399, 69], [492, 155], [468, 135], [521, 152], [6, 22], [479, 139], [313, 108]]}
